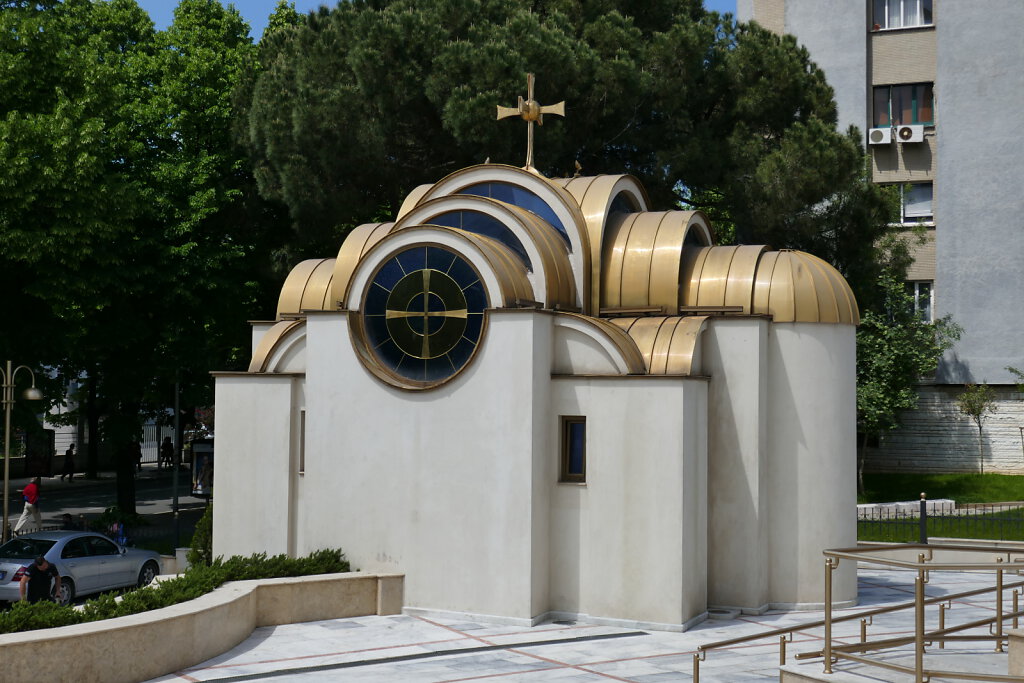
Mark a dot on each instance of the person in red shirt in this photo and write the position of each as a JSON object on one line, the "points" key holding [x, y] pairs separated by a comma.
{"points": [[31, 496]]}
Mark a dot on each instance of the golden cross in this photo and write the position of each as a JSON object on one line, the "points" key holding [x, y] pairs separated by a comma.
{"points": [[531, 111]]}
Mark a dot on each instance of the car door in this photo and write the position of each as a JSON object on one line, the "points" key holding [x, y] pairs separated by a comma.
{"points": [[77, 561], [113, 569]]}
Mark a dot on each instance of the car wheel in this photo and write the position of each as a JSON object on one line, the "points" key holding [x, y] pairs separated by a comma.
{"points": [[67, 591], [148, 573]]}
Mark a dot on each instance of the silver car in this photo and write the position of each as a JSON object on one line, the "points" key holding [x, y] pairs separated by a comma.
{"points": [[88, 563]]}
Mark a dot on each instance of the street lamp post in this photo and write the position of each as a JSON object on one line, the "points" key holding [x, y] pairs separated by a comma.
{"points": [[31, 394]]}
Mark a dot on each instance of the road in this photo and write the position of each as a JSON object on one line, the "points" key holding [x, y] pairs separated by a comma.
{"points": [[153, 496]]}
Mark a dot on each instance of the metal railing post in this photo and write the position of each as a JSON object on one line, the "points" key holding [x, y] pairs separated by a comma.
{"points": [[999, 608], [923, 520], [919, 627], [830, 564]]}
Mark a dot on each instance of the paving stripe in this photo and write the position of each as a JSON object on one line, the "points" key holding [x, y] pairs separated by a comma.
{"points": [[422, 655]]}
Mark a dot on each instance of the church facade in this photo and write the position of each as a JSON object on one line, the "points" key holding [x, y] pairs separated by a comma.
{"points": [[542, 398]]}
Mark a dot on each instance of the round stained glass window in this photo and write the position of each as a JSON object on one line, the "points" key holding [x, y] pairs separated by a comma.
{"points": [[423, 313]]}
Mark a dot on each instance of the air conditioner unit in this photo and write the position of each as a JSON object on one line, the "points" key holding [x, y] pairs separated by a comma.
{"points": [[910, 133], [880, 136]]}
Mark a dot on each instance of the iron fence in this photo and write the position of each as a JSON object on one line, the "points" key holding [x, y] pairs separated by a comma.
{"points": [[916, 523]]}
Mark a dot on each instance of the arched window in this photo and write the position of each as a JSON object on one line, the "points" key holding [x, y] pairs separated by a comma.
{"points": [[521, 197], [482, 224]]}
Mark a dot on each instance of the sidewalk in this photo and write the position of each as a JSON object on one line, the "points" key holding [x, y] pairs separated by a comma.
{"points": [[416, 649]]}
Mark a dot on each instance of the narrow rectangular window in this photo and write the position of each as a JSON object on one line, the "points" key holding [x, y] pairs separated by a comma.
{"points": [[901, 13], [574, 449], [302, 441], [922, 295]]}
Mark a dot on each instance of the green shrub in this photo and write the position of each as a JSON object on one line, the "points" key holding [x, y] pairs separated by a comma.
{"points": [[201, 551], [197, 580]]}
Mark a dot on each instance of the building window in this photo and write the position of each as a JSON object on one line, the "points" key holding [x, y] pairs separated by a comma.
{"points": [[902, 13], [922, 294], [900, 105], [574, 449], [917, 203]]}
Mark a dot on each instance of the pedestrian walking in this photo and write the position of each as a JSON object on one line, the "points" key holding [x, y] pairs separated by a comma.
{"points": [[69, 464], [41, 581], [31, 495], [166, 453]]}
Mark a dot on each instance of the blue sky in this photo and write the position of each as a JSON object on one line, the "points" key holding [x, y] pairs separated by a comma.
{"points": [[256, 11]]}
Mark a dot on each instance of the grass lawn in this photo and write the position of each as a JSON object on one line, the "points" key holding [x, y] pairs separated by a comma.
{"points": [[963, 488]]}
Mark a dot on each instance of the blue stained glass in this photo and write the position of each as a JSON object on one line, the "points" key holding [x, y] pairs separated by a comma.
{"points": [[439, 259], [521, 197], [474, 323], [438, 368], [461, 352], [577, 442], [413, 259], [482, 224], [376, 298], [476, 297], [389, 274]]}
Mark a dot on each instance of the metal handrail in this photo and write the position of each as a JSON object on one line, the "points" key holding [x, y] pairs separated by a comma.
{"points": [[1006, 559]]}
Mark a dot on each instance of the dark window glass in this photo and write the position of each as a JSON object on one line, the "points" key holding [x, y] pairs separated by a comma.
{"points": [[76, 547], [101, 546], [574, 449], [881, 117], [521, 197], [25, 548], [900, 105], [923, 103]]}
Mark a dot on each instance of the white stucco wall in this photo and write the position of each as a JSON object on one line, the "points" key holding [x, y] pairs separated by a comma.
{"points": [[254, 463], [735, 358], [632, 541], [436, 484], [812, 459]]}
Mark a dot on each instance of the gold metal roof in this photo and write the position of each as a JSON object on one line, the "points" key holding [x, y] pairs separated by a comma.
{"points": [[667, 344], [790, 286], [359, 241], [270, 341], [307, 287], [594, 196], [642, 257]]}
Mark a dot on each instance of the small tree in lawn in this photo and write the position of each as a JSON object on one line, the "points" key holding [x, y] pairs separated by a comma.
{"points": [[895, 349], [977, 401]]}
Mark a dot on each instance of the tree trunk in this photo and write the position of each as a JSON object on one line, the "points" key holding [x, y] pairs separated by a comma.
{"points": [[92, 417], [981, 450], [861, 447]]}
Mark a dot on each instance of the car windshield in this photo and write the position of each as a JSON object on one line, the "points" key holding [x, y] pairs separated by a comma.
{"points": [[25, 548]]}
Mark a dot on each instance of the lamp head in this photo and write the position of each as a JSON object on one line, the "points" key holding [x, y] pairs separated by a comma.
{"points": [[32, 394]]}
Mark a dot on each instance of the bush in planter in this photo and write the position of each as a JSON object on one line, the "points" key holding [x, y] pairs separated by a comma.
{"points": [[201, 552], [197, 580]]}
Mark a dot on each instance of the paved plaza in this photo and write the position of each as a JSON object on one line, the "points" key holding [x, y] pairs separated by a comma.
{"points": [[422, 650]]}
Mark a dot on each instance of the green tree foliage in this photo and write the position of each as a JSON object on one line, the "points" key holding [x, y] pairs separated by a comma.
{"points": [[129, 224], [976, 402], [356, 106], [895, 349]]}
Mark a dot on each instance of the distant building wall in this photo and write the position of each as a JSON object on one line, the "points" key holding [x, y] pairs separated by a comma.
{"points": [[937, 437], [980, 243]]}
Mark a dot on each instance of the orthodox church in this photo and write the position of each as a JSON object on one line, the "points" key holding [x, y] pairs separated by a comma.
{"points": [[543, 398]]}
